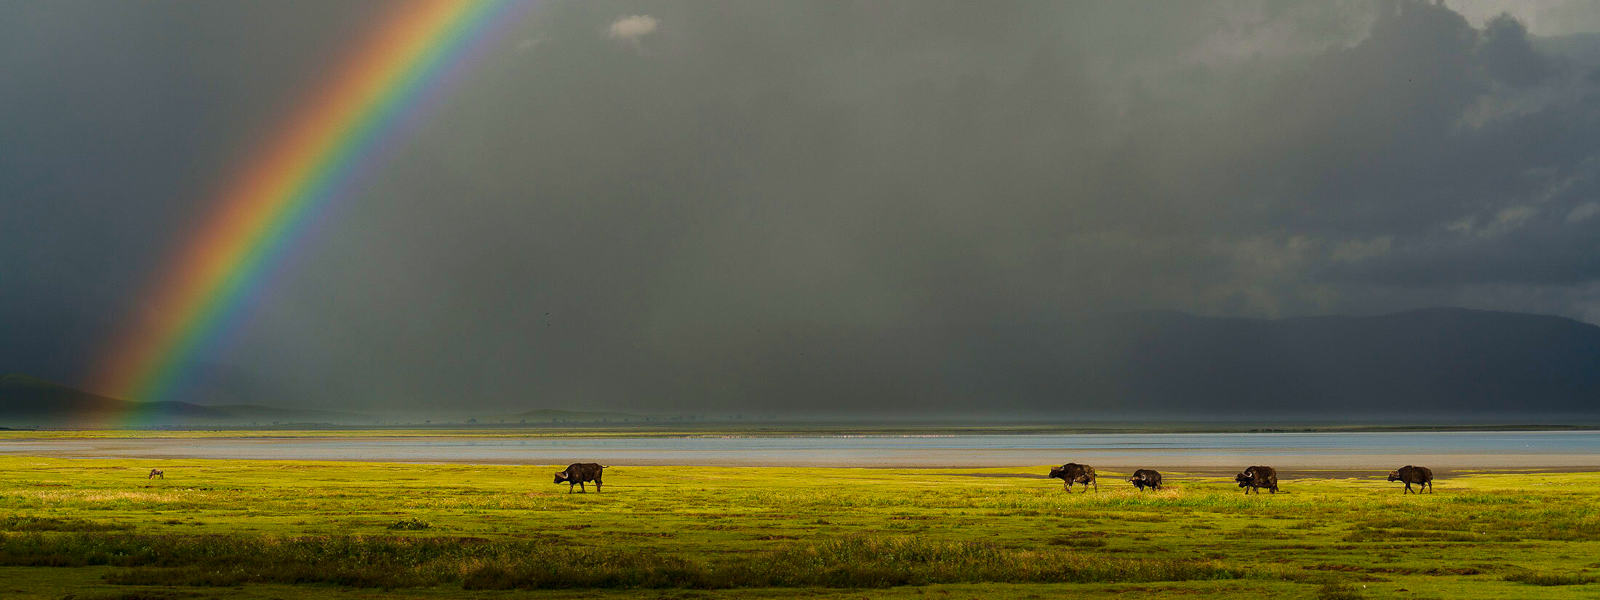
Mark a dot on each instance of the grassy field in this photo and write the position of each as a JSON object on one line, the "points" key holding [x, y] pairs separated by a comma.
{"points": [[261, 529]]}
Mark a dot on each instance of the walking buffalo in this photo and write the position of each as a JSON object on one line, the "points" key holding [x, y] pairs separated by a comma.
{"points": [[577, 473], [1146, 478], [1258, 477], [1071, 473], [1422, 476]]}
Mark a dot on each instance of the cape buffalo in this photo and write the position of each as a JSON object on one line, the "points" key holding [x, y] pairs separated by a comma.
{"points": [[1258, 477], [1422, 476], [577, 473], [1071, 473], [1146, 478]]}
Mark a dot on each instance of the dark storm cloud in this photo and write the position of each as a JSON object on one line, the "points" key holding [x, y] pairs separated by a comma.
{"points": [[796, 205], [118, 122]]}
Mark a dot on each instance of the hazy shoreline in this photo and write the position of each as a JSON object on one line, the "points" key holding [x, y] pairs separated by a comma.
{"points": [[1340, 451], [721, 429]]}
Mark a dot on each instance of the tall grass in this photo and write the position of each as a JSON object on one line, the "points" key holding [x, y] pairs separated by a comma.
{"points": [[1548, 579], [853, 562], [880, 562], [391, 562], [31, 523]]}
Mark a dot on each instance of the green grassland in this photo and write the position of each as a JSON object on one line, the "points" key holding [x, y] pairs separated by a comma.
{"points": [[266, 529]]}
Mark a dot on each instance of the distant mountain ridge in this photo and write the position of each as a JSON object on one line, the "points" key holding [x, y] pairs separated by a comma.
{"points": [[26, 396], [33, 401], [1441, 359], [548, 414], [1170, 364]]}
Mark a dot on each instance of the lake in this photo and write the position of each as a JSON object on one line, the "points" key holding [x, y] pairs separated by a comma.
{"points": [[1197, 451]]}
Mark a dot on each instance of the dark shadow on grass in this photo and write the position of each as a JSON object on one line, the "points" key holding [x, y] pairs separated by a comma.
{"points": [[397, 562]]}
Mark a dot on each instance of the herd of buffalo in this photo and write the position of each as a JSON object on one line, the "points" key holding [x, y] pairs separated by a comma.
{"points": [[1253, 478]]}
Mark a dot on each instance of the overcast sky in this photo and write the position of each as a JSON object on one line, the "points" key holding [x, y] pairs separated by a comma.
{"points": [[673, 205]]}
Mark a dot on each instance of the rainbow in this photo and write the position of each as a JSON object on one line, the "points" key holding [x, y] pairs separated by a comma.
{"points": [[337, 135]]}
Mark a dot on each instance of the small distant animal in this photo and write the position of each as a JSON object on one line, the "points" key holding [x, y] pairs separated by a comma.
{"points": [[1146, 478], [154, 473], [1422, 476], [577, 473], [1255, 478], [1071, 473]]}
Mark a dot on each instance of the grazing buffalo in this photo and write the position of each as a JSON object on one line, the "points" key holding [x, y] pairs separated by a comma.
{"points": [[1258, 477], [1071, 473], [154, 473], [1145, 478], [577, 473], [1422, 476]]}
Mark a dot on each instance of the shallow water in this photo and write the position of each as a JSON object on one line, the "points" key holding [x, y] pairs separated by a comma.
{"points": [[1330, 450]]}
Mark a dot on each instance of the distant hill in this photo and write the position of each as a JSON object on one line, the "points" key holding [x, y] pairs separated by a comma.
{"points": [[573, 416], [30, 401], [1158, 365], [27, 401], [1433, 360], [22, 396]]}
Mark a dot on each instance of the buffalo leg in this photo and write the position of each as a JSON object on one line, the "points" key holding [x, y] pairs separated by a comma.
{"points": [[597, 486], [569, 487], [581, 490]]}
